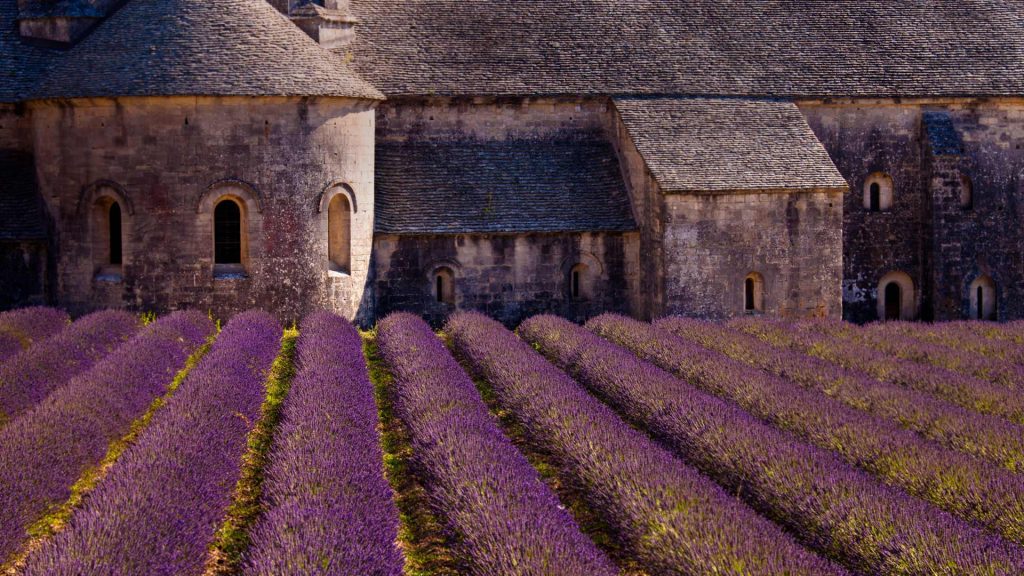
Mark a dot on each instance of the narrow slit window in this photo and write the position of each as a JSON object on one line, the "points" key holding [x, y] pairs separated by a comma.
{"points": [[114, 221], [983, 299], [753, 293], [444, 286], [876, 197]]}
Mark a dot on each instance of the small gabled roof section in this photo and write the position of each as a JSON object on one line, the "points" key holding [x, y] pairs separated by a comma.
{"points": [[567, 183], [723, 145], [201, 48]]}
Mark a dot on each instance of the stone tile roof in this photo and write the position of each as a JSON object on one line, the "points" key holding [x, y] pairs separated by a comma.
{"points": [[21, 208], [200, 47], [21, 65], [570, 183], [727, 144], [942, 135], [790, 48]]}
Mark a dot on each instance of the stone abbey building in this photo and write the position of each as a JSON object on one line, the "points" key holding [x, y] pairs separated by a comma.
{"points": [[705, 157]]}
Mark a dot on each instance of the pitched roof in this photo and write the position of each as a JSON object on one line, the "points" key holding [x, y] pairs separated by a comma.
{"points": [[21, 65], [570, 183], [792, 48], [200, 47], [21, 208], [727, 144]]}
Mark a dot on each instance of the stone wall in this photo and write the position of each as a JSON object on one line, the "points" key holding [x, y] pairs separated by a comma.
{"points": [[168, 160], [648, 204], [509, 277], [927, 234], [792, 241]]}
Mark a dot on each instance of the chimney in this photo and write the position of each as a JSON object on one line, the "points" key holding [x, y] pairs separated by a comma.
{"points": [[329, 22], [60, 21]]}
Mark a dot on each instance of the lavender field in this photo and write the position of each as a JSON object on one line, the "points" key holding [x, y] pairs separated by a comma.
{"points": [[182, 445]]}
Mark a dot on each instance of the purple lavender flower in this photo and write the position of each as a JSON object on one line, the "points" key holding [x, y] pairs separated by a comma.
{"points": [[329, 508], [159, 507], [972, 337], [971, 488], [960, 389], [982, 435], [507, 521], [46, 449], [888, 338], [29, 376], [21, 328], [672, 519], [831, 505]]}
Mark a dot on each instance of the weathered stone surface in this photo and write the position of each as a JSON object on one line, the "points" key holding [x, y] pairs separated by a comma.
{"points": [[792, 241], [942, 246], [508, 277], [169, 159]]}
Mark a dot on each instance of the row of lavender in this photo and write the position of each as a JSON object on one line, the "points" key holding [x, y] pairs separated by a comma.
{"points": [[155, 503], [952, 425], [670, 518], [20, 329], [324, 483], [504, 519], [832, 505], [965, 485], [49, 446], [328, 508]]}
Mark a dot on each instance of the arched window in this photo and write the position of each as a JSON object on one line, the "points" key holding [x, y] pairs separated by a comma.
{"points": [[227, 233], [966, 193], [444, 286], [339, 234], [878, 194], [896, 299], [983, 299], [579, 282], [107, 237], [753, 293]]}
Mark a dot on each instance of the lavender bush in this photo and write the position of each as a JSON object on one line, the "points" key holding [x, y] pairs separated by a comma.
{"points": [[21, 328], [29, 376], [45, 450], [966, 391], [971, 488], [162, 501], [329, 509], [888, 339], [967, 336], [506, 520], [871, 527], [989, 437], [672, 519]]}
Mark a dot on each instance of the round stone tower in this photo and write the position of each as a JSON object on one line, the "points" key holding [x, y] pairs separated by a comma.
{"points": [[211, 155]]}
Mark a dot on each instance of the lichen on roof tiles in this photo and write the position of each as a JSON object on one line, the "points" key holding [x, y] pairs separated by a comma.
{"points": [[727, 144]]}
